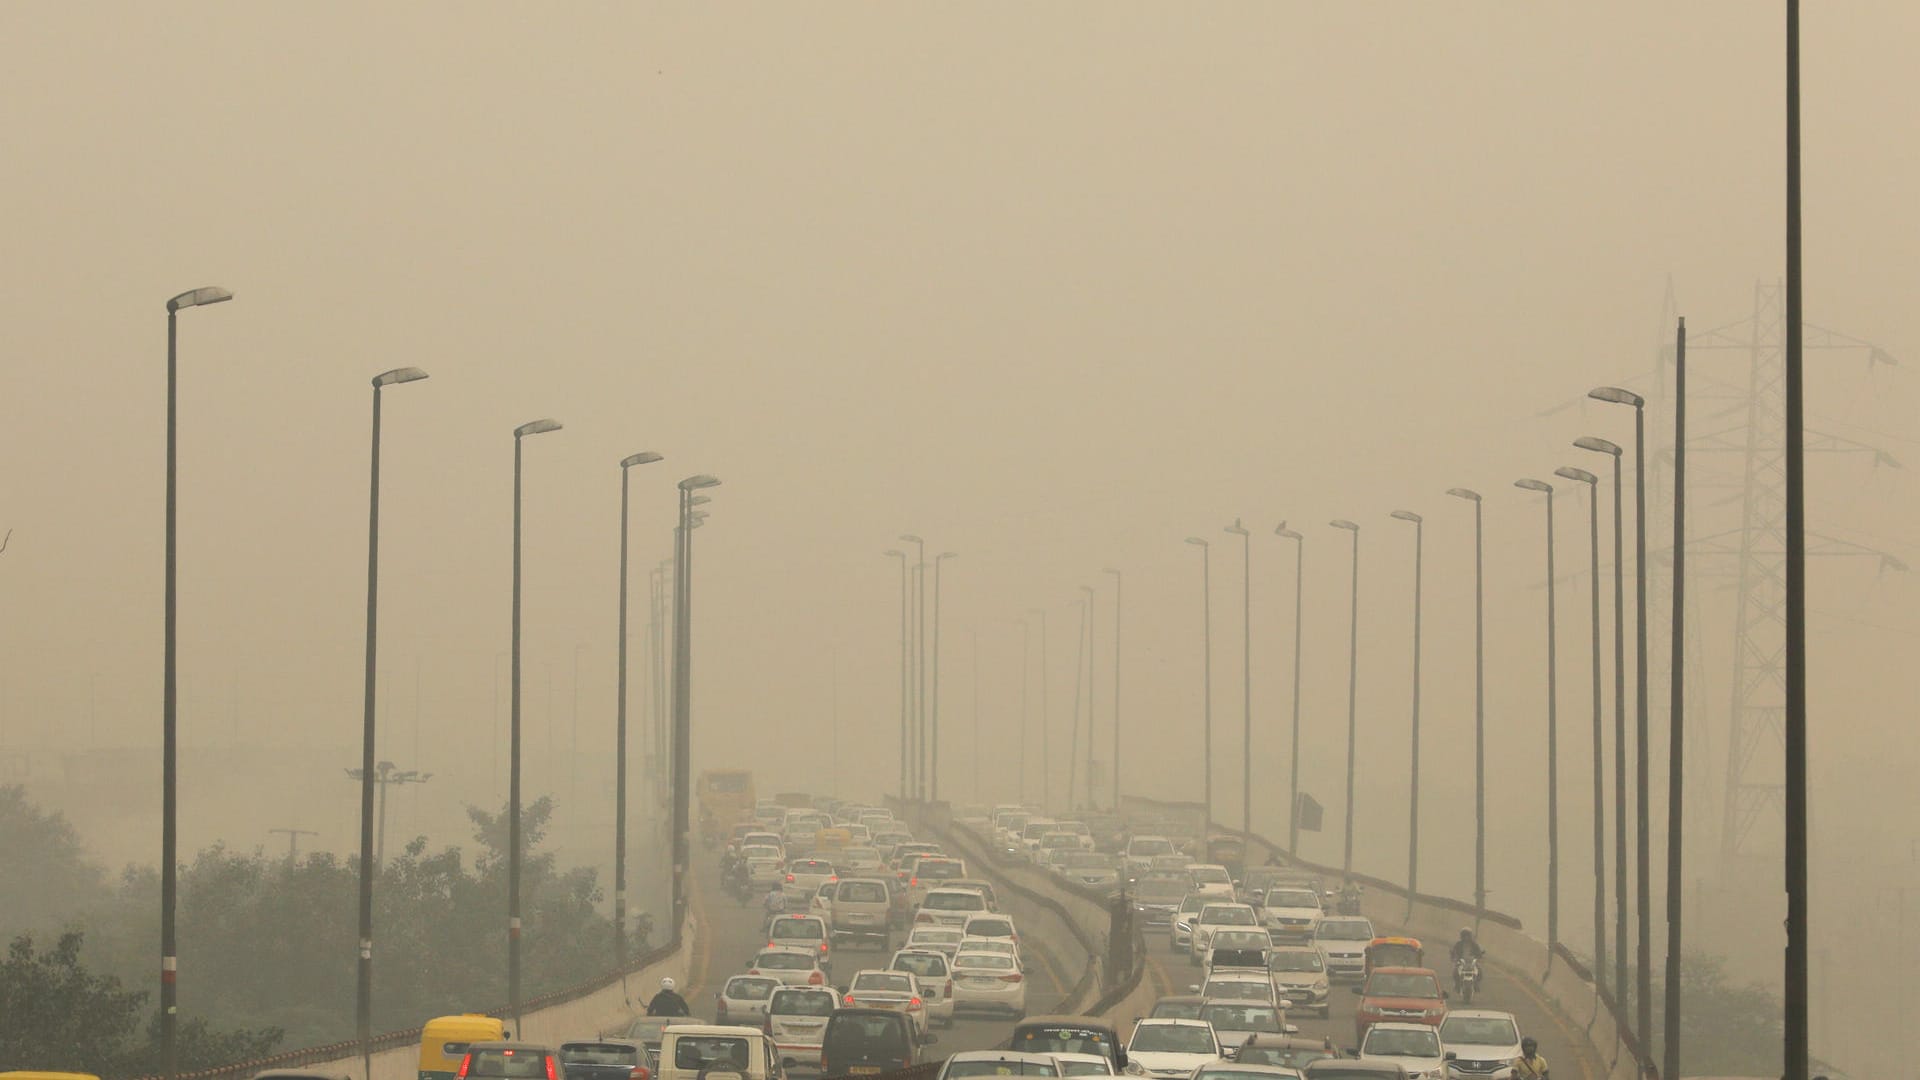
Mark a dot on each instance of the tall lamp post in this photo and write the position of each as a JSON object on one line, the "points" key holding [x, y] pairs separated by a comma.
{"points": [[1091, 639], [1026, 733], [1479, 709], [896, 553], [1046, 762], [363, 990], [683, 691], [919, 666], [1413, 787], [169, 692], [1246, 675], [532, 427], [934, 737], [1353, 692], [1612, 450], [1206, 664], [1676, 712], [620, 729], [1293, 755], [1116, 686], [1553, 734], [1568, 472], [1643, 859]]}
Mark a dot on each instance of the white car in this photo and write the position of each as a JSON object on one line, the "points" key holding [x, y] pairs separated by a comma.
{"points": [[1180, 926], [934, 979], [1301, 977], [1054, 843], [971, 1063], [1142, 849], [860, 860], [1218, 917], [1413, 1047], [1290, 913], [1482, 1043], [1084, 1065], [944, 939], [1171, 1049], [1079, 829], [991, 926], [1030, 835], [1234, 949], [1090, 869], [949, 907], [804, 878], [1235, 1020], [1211, 879], [764, 862], [797, 1020], [895, 990], [1342, 941], [792, 967], [1242, 986], [743, 1000], [989, 981]]}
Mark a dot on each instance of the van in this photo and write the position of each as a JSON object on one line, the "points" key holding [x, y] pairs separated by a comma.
{"points": [[1070, 1035], [866, 1042], [862, 908], [691, 1051]]}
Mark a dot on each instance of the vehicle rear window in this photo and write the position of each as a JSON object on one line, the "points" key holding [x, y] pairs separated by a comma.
{"points": [[513, 1064], [982, 961], [1241, 1017], [808, 929], [853, 1033], [1061, 1039], [810, 866], [940, 869], [884, 981], [801, 1003], [1161, 891], [698, 1051], [1291, 898], [1000, 1068], [598, 1054], [989, 928], [861, 892], [1149, 847], [750, 988], [1227, 916], [928, 965], [783, 961], [956, 901]]}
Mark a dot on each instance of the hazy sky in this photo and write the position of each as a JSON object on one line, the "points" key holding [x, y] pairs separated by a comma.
{"points": [[1055, 286]]}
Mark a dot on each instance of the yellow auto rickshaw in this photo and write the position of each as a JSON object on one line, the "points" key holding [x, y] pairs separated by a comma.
{"points": [[1394, 952], [444, 1041]]}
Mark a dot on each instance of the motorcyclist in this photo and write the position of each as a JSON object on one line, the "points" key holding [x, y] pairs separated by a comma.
{"points": [[668, 1002], [1467, 947], [1350, 898], [776, 900], [1530, 1065]]}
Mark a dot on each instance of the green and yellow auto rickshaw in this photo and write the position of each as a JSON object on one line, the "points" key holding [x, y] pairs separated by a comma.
{"points": [[444, 1041]]}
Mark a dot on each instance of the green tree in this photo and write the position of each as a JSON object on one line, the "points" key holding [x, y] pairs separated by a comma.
{"points": [[45, 877], [54, 1014]]}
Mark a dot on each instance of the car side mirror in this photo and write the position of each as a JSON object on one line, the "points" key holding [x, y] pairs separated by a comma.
{"points": [[1451, 1056], [1443, 995], [1355, 991], [930, 1039]]}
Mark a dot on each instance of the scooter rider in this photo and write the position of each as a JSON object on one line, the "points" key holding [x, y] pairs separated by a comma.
{"points": [[668, 1002], [1530, 1065]]}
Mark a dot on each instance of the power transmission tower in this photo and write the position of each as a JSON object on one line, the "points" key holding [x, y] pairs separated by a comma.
{"points": [[293, 840]]}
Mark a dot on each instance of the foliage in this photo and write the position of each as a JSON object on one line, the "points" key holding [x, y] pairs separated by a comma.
{"points": [[44, 874], [1725, 1029]]}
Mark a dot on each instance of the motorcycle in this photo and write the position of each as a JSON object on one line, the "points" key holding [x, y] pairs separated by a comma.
{"points": [[1466, 978], [1349, 902]]}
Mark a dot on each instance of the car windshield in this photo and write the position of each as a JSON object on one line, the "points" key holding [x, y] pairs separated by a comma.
{"points": [[955, 901], [1397, 984], [760, 851], [784, 961], [810, 867], [1220, 915], [1089, 860], [1059, 839], [1291, 898], [1177, 1010], [1402, 1042], [1297, 960], [883, 981], [1346, 929], [750, 988], [1010, 1067], [1159, 890], [1150, 847], [860, 854], [1173, 1039], [1286, 1056], [929, 964], [989, 928], [982, 961], [1242, 1017], [801, 1003], [1211, 875], [1479, 1031], [856, 1032], [1086, 1068], [1063, 1040], [598, 1054], [1240, 939], [508, 1064], [939, 869], [1192, 904], [861, 892], [805, 929], [695, 1052], [1246, 990]]}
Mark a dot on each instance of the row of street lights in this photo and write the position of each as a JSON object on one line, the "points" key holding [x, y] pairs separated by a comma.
{"points": [[919, 705], [372, 773]]}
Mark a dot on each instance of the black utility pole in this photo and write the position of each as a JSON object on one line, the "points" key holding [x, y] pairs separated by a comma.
{"points": [[1479, 704], [1599, 803], [1611, 449], [1796, 1041], [1676, 710], [620, 729], [1413, 768], [1553, 734], [1206, 664], [1353, 691], [520, 433], [1293, 755]]}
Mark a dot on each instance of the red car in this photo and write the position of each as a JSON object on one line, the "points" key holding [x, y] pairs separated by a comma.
{"points": [[1403, 995]]}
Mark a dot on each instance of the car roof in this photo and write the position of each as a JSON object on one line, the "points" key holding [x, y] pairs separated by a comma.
{"points": [[1242, 1002], [1402, 971], [715, 1029], [1398, 1025], [1482, 1014], [508, 1044], [612, 1040], [1002, 1055], [1066, 1020], [1180, 1021], [1287, 1042], [791, 950]]}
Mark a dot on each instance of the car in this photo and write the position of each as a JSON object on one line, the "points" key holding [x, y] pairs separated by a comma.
{"points": [[988, 982], [1030, 836], [1214, 916], [1241, 986], [1178, 1007], [822, 902], [1171, 1049], [862, 908], [763, 864], [805, 876], [1232, 1070], [1141, 849], [997, 945], [1342, 941], [991, 926], [1290, 913], [1091, 870], [979, 885], [760, 837], [1479, 1043], [1413, 1047], [1301, 977], [506, 1060], [860, 859], [865, 1042], [743, 1000], [972, 1063], [1229, 950], [1291, 1051], [1212, 879], [1234, 1019], [1055, 840], [931, 872], [1155, 899], [933, 978], [797, 1019], [949, 907], [801, 932], [875, 988], [1058, 1034], [789, 966], [1347, 1069], [690, 1051], [1084, 1065], [1256, 880], [1399, 995], [1180, 927], [649, 1030], [944, 938], [601, 1059]]}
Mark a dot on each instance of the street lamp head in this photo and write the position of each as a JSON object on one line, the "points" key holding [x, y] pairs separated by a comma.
{"points": [[1111, 570], [644, 457], [1464, 493], [1088, 589], [1617, 396], [895, 552], [1343, 523], [702, 480], [201, 297], [1196, 540], [946, 555], [536, 427], [1572, 473], [1282, 530], [398, 375], [1236, 528], [911, 539], [1407, 515], [1534, 485], [1597, 445]]}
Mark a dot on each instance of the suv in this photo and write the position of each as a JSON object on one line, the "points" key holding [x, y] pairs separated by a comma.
{"points": [[1069, 1035], [797, 1019], [863, 1041], [509, 1061], [949, 907], [690, 1051], [801, 932], [862, 907], [602, 1059], [1399, 995]]}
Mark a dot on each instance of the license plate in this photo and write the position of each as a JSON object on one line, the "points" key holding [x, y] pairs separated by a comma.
{"points": [[863, 1070]]}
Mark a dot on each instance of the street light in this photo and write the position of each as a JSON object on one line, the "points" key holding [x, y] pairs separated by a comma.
{"points": [[1413, 790], [1643, 861], [919, 665], [896, 553], [1206, 627], [169, 693], [1599, 753], [1479, 710], [363, 993], [1602, 446], [683, 689], [1293, 758], [534, 427], [1553, 735], [1246, 675], [1116, 686], [1091, 639], [1353, 690], [934, 736], [1046, 762], [647, 457]]}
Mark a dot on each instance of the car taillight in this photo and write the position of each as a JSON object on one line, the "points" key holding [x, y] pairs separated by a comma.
{"points": [[849, 999], [914, 884], [915, 1003], [823, 946], [1014, 978], [640, 1072], [816, 978], [466, 1062], [949, 987], [922, 916], [789, 879], [553, 1073], [750, 971]]}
